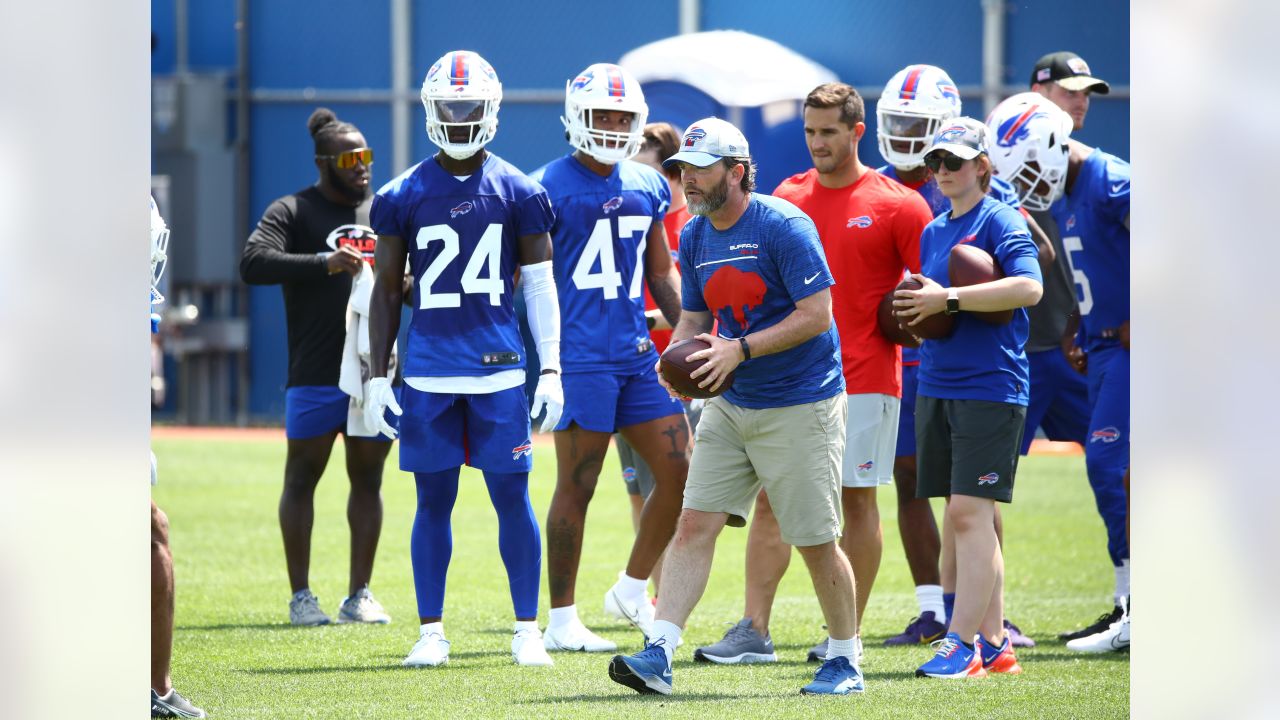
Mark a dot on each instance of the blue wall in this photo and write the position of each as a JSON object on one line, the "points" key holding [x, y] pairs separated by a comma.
{"points": [[344, 45]]}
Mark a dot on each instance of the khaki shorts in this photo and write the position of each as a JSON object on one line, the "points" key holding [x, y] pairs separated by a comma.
{"points": [[794, 452], [871, 440]]}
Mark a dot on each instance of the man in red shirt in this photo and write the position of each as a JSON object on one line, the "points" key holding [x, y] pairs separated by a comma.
{"points": [[870, 229]]}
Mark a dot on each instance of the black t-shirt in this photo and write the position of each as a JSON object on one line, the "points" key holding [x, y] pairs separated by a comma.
{"points": [[1049, 316], [288, 248]]}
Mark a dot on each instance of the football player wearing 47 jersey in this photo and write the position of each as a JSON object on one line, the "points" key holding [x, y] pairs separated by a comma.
{"points": [[610, 239], [464, 218]]}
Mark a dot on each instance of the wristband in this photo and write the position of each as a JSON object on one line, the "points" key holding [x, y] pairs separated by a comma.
{"points": [[746, 349]]}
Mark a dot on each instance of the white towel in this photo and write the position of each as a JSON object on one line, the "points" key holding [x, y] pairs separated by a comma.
{"points": [[353, 378]]}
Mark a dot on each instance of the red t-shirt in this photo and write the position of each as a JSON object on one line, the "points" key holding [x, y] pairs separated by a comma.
{"points": [[674, 223], [870, 230]]}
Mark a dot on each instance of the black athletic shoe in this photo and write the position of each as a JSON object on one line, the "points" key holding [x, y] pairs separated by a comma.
{"points": [[1103, 622], [173, 705]]}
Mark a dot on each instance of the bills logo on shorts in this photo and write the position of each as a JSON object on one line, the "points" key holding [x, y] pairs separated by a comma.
{"points": [[1107, 434], [628, 474], [612, 204], [461, 209], [866, 466], [989, 479], [520, 451], [862, 221]]}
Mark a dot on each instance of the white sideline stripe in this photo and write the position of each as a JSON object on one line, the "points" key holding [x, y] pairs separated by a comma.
{"points": [[713, 262]]}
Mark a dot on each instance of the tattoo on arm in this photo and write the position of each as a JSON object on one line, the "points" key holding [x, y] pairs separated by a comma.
{"points": [[666, 295]]}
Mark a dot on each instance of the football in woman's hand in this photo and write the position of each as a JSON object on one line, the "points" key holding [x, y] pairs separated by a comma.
{"points": [[934, 327], [971, 265]]}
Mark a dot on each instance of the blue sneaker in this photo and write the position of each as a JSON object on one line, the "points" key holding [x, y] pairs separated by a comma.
{"points": [[648, 671], [835, 677], [953, 661]]}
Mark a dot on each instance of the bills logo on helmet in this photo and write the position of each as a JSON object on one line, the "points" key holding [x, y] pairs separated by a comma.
{"points": [[736, 291], [434, 69], [693, 136], [612, 204], [1015, 128], [462, 209], [989, 479], [520, 451], [949, 92], [360, 237], [862, 221], [582, 80], [866, 466], [1107, 434]]}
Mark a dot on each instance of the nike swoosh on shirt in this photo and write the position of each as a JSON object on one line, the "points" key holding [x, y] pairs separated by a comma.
{"points": [[1119, 186], [811, 279]]}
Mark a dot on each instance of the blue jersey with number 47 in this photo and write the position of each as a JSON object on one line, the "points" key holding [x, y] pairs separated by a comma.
{"points": [[461, 236], [601, 230]]}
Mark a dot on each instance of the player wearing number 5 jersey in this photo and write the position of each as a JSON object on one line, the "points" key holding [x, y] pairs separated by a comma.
{"points": [[464, 218], [610, 239]]}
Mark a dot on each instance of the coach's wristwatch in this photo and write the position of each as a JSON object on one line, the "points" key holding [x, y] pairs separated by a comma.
{"points": [[953, 301]]}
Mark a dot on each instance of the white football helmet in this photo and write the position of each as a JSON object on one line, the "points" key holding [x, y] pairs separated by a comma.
{"points": [[461, 91], [1029, 147], [604, 86], [159, 251], [911, 110]]}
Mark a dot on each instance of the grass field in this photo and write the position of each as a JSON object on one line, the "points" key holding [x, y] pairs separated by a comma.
{"points": [[237, 657]]}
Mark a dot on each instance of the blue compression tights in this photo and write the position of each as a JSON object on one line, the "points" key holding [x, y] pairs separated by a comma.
{"points": [[519, 543]]}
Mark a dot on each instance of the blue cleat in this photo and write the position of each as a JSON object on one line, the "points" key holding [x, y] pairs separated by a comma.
{"points": [[953, 661], [835, 677], [648, 671]]}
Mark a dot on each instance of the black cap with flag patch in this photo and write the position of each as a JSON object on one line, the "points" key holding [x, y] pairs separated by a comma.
{"points": [[1068, 70]]}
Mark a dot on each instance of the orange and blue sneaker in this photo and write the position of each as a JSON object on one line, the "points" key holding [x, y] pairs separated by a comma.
{"points": [[953, 661], [997, 659]]}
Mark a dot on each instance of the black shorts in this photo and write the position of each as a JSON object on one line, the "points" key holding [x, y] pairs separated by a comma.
{"points": [[967, 447]]}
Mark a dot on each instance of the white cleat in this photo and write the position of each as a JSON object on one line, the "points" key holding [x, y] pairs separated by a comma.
{"points": [[362, 608], [430, 650], [527, 649], [576, 637], [1113, 639], [638, 614]]}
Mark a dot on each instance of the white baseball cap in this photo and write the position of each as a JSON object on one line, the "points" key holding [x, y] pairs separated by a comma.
{"points": [[963, 137], [707, 141]]}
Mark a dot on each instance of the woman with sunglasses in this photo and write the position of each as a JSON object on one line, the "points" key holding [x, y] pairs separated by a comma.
{"points": [[313, 243], [973, 390]]}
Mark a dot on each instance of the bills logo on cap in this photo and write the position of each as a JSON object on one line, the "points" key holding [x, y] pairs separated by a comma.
{"points": [[1078, 66], [693, 136], [1107, 434], [989, 479], [612, 204], [1043, 74], [952, 134], [462, 209]]}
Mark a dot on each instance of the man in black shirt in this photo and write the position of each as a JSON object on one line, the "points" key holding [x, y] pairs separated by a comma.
{"points": [[312, 244]]}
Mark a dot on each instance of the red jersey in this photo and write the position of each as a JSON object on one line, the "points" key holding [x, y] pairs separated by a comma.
{"points": [[673, 222], [870, 230]]}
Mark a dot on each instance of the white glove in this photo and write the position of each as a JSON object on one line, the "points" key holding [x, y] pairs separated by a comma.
{"points": [[550, 393], [378, 396]]}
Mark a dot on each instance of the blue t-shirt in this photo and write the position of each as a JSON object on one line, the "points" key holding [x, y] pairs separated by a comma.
{"points": [[601, 229], [1091, 220], [750, 277], [462, 241], [939, 204], [978, 360]]}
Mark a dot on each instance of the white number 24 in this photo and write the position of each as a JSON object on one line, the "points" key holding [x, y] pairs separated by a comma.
{"points": [[486, 257]]}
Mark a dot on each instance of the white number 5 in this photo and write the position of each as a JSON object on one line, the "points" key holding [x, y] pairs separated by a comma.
{"points": [[1072, 245]]}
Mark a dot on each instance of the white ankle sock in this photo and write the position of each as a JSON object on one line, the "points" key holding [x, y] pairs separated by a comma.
{"points": [[929, 598], [669, 633], [630, 588], [435, 627], [563, 616], [1122, 580], [847, 648], [526, 625]]}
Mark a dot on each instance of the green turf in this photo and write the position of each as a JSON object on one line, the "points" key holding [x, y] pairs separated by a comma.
{"points": [[237, 656]]}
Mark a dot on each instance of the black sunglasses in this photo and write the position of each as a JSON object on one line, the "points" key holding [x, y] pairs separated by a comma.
{"points": [[936, 161]]}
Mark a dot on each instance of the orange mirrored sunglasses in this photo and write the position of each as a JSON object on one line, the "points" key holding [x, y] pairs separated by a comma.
{"points": [[348, 159]]}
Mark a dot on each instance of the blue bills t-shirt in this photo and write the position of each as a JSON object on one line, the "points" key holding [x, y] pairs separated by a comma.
{"points": [[749, 278]]}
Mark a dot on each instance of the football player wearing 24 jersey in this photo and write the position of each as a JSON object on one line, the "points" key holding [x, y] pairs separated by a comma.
{"points": [[464, 218], [610, 239]]}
